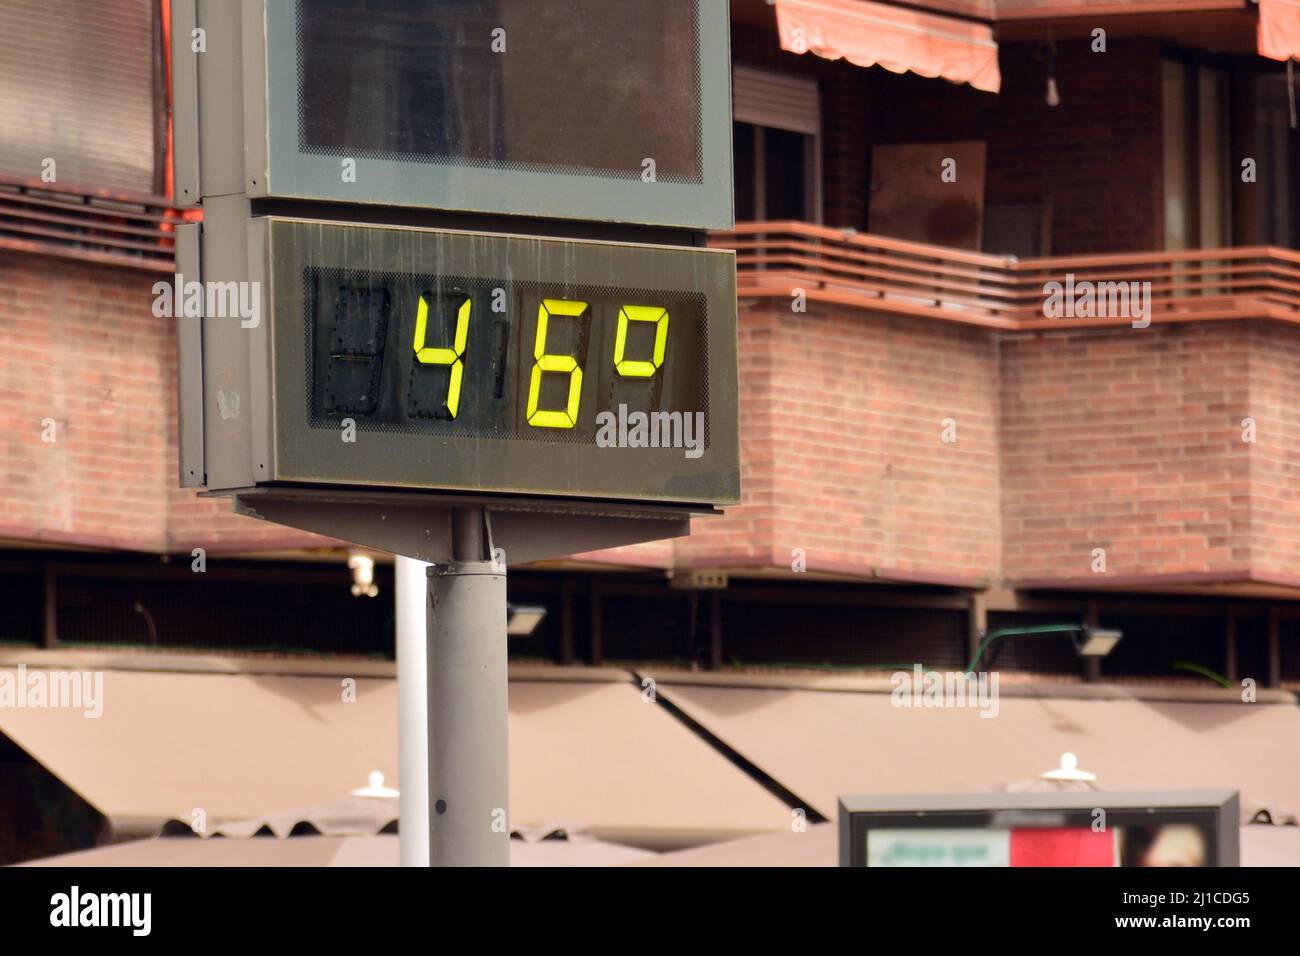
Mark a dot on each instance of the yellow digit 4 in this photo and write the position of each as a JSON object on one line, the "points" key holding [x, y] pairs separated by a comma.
{"points": [[545, 362], [452, 356]]}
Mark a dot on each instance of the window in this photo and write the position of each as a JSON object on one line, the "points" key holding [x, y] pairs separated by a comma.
{"points": [[777, 149], [1196, 185], [1276, 151]]}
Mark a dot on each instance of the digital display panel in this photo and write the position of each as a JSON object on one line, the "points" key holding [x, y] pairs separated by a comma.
{"points": [[1161, 845], [495, 358], [492, 82], [467, 361], [613, 110], [1062, 829]]}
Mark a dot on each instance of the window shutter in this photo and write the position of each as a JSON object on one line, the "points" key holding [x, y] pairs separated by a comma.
{"points": [[776, 100], [77, 85]]}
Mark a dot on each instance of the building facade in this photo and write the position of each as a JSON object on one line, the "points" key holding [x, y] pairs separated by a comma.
{"points": [[1018, 313]]}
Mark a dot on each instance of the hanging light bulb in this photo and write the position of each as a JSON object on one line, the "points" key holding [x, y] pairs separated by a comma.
{"points": [[1046, 54], [363, 574]]}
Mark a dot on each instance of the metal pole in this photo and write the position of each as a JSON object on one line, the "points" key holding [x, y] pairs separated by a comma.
{"points": [[412, 720], [468, 750]]}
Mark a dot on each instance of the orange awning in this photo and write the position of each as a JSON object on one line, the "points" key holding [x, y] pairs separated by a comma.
{"points": [[876, 34], [1279, 29]]}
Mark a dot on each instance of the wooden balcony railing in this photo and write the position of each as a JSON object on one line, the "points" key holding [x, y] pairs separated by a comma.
{"points": [[911, 278], [93, 226]]}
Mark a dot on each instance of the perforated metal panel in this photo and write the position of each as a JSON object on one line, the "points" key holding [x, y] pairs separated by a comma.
{"points": [[77, 85], [589, 110]]}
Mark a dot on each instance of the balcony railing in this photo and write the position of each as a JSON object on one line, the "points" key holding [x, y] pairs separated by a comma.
{"points": [[93, 226], [911, 278]]}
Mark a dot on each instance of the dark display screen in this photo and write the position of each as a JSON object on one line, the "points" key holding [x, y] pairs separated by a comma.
{"points": [[467, 361], [1083, 828], [596, 86], [483, 357], [1155, 845]]}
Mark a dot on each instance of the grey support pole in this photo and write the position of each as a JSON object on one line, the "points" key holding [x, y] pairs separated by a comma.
{"points": [[412, 598], [469, 823]]}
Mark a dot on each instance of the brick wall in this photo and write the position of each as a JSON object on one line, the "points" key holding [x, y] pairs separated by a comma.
{"points": [[79, 345], [1112, 438], [1096, 158], [1129, 441], [748, 535], [847, 107], [843, 452], [1066, 441], [1274, 362]]}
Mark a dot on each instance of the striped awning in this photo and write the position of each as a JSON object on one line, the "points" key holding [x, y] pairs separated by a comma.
{"points": [[1279, 29], [900, 40]]}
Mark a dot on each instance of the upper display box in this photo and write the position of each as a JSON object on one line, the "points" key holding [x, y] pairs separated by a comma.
{"points": [[609, 110]]}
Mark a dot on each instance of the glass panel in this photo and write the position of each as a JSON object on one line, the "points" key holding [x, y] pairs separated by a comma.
{"points": [[588, 85], [1178, 154], [1276, 164], [785, 188], [743, 150], [1212, 131]]}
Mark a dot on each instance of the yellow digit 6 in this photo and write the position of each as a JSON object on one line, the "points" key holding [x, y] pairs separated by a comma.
{"points": [[452, 356], [544, 362], [640, 313]]}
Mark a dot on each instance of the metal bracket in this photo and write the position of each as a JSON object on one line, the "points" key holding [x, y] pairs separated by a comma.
{"points": [[420, 525], [185, 103]]}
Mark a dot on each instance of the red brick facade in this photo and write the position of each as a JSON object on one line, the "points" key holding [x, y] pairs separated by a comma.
{"points": [[1174, 448], [1274, 363], [1065, 441], [843, 450], [1095, 159], [79, 345], [1127, 440]]}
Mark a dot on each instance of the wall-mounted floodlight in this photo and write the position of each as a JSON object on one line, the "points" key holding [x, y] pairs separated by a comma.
{"points": [[522, 619], [1098, 641]]}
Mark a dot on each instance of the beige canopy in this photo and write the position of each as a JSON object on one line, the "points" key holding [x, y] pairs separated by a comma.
{"points": [[585, 748], [824, 737]]}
